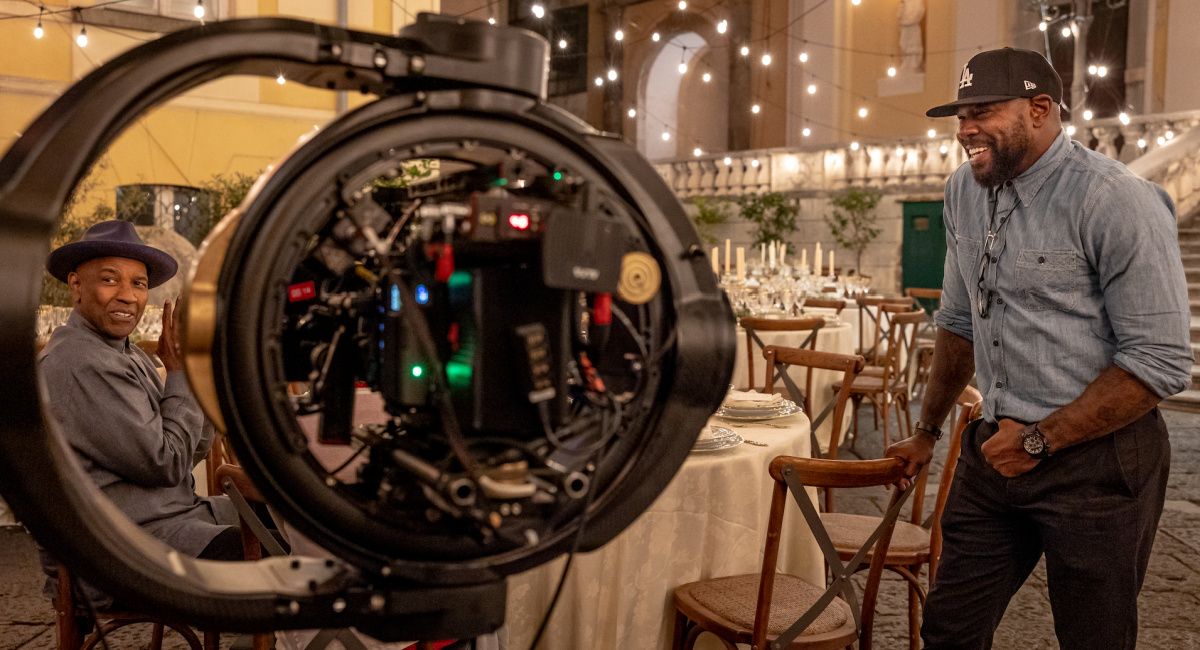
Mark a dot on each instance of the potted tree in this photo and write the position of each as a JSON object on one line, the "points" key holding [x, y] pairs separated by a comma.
{"points": [[853, 220]]}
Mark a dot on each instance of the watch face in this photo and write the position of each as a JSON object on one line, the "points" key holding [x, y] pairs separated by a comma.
{"points": [[1033, 443]]}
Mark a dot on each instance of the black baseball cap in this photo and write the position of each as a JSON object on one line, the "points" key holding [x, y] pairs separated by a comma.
{"points": [[1000, 75]]}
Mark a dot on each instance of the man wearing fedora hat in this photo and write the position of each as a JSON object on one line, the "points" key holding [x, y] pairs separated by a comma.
{"points": [[1065, 297], [137, 435]]}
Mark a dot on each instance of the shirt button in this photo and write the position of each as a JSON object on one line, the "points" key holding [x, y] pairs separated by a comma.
{"points": [[1007, 183], [999, 301], [996, 342], [999, 384], [995, 258], [1041, 260]]}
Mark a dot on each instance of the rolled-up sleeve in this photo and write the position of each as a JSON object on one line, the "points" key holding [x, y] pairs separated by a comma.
{"points": [[1129, 231], [954, 311]]}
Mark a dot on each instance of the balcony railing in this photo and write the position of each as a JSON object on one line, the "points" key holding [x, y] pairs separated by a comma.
{"points": [[913, 165]]}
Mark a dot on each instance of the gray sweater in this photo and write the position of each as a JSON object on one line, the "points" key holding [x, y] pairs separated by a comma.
{"points": [[137, 436]]}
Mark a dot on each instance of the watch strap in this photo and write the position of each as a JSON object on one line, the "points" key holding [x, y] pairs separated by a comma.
{"points": [[928, 428]]}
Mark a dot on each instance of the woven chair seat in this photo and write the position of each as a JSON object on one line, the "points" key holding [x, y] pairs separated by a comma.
{"points": [[849, 531], [734, 599], [869, 384]]}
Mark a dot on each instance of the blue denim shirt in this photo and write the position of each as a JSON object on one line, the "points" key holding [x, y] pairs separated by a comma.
{"points": [[1084, 274]]}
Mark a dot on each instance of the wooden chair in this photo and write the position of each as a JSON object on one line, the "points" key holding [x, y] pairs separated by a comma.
{"points": [[917, 541], [890, 386], [754, 325], [836, 304], [781, 610], [780, 359], [68, 611], [930, 300], [870, 314]]}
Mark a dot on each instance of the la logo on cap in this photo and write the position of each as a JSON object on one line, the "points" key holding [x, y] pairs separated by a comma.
{"points": [[965, 79]]}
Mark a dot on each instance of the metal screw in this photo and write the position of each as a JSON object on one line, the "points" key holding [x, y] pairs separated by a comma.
{"points": [[380, 59], [416, 65]]}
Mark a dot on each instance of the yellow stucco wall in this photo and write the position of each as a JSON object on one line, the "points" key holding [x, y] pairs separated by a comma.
{"points": [[238, 124]]}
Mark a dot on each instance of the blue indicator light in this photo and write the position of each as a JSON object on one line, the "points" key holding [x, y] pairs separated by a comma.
{"points": [[422, 293], [395, 302]]}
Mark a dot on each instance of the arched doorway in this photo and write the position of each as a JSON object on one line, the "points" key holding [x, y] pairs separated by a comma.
{"points": [[695, 112]]}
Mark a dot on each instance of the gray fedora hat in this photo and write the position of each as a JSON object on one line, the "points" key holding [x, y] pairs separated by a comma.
{"points": [[112, 239]]}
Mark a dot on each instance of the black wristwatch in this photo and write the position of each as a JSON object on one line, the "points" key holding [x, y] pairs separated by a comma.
{"points": [[929, 428], [1034, 442]]}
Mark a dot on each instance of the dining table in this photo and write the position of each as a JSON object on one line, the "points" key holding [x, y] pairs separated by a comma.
{"points": [[710, 521]]}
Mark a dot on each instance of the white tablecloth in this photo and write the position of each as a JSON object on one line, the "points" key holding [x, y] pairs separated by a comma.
{"points": [[710, 522], [839, 338]]}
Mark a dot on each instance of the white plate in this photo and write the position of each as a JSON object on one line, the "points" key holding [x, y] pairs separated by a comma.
{"points": [[717, 444], [741, 415]]}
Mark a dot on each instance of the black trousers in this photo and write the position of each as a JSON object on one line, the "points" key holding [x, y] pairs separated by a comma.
{"points": [[1092, 509]]}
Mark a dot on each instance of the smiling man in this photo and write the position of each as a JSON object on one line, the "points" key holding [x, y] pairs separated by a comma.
{"points": [[1064, 295], [137, 435]]}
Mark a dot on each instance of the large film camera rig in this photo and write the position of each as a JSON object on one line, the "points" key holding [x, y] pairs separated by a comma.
{"points": [[522, 294]]}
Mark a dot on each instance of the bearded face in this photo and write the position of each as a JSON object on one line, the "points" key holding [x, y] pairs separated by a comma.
{"points": [[996, 138]]}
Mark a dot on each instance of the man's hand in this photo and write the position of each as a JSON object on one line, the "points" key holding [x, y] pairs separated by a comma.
{"points": [[168, 342], [1003, 451], [916, 452]]}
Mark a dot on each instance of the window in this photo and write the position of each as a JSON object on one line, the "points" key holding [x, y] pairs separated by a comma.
{"points": [[568, 66]]}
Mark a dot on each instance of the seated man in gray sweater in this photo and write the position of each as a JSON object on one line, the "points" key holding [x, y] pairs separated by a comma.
{"points": [[137, 435]]}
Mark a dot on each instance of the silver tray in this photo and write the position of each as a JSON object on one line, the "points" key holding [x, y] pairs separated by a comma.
{"points": [[741, 415], [723, 439]]}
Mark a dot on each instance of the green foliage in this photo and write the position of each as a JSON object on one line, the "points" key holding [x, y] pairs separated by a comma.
{"points": [[773, 215], [853, 220], [225, 192], [410, 170], [709, 214]]}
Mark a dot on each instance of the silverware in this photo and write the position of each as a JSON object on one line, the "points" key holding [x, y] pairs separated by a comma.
{"points": [[754, 442]]}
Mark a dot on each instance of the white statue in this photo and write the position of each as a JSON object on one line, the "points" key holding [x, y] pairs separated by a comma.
{"points": [[912, 49]]}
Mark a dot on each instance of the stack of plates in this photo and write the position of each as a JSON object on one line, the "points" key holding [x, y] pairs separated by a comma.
{"points": [[752, 405], [715, 438]]}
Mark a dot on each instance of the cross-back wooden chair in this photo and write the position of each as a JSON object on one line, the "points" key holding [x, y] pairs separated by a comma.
{"points": [[890, 386], [930, 300], [782, 358], [870, 315], [836, 304], [69, 610], [776, 610], [753, 326], [918, 541]]}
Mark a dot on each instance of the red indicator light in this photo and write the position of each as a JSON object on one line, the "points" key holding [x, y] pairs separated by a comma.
{"points": [[518, 221], [302, 291]]}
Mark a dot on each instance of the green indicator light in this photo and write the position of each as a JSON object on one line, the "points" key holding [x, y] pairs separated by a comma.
{"points": [[500, 182], [417, 371], [558, 176], [459, 279], [458, 374]]}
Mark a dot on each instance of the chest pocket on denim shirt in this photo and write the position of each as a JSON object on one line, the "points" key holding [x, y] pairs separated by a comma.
{"points": [[1049, 279]]}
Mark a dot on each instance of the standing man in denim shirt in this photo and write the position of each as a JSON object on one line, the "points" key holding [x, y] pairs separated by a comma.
{"points": [[1065, 296]]}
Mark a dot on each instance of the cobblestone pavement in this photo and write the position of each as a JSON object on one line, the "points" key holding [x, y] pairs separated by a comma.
{"points": [[1169, 604]]}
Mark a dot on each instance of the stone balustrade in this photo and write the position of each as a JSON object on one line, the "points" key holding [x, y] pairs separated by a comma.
{"points": [[922, 165]]}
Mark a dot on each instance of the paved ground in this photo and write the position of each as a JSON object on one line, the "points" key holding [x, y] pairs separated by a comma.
{"points": [[1169, 603]]}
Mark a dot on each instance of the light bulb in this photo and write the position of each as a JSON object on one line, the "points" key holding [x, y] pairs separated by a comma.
{"points": [[932, 133], [198, 10], [1169, 135], [1123, 118], [1092, 69], [1160, 140], [682, 67], [82, 40], [727, 160], [491, 21], [804, 57], [1070, 129], [1042, 26], [599, 81], [766, 59], [612, 74], [696, 152], [943, 150], [854, 145], [706, 77], [1141, 143], [891, 71], [682, 5], [745, 51], [1088, 114], [562, 43], [1101, 71], [754, 163], [38, 32], [722, 26], [619, 35], [899, 151], [756, 109], [806, 132], [812, 89], [655, 37], [855, 2], [1066, 32], [538, 10], [281, 79], [632, 112], [862, 112], [666, 136]]}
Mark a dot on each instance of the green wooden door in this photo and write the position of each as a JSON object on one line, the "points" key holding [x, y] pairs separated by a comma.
{"points": [[924, 248]]}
